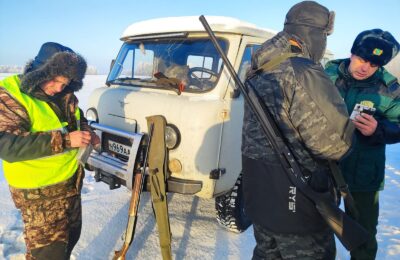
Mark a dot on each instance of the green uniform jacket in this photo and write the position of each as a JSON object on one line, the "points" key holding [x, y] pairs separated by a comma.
{"points": [[364, 167]]}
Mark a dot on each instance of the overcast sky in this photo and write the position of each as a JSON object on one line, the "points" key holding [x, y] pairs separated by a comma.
{"points": [[93, 27]]}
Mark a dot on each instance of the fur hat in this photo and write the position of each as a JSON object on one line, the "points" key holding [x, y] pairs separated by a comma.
{"points": [[54, 60], [376, 46]]}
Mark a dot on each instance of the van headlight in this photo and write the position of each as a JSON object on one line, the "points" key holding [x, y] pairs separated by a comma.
{"points": [[91, 115], [172, 136]]}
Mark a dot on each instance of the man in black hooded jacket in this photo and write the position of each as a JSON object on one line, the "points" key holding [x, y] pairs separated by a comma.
{"points": [[314, 122]]}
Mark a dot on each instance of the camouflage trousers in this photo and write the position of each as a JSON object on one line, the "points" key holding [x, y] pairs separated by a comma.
{"points": [[288, 246], [52, 217]]}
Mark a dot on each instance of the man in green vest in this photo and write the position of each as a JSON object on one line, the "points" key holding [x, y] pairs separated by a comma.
{"points": [[41, 130], [372, 96]]}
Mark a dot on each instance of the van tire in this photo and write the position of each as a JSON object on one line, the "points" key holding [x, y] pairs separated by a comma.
{"points": [[230, 209]]}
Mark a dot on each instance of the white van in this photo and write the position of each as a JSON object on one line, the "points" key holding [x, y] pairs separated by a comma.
{"points": [[169, 67]]}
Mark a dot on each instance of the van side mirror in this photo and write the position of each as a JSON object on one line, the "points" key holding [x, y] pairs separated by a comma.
{"points": [[112, 63], [235, 93], [111, 66]]}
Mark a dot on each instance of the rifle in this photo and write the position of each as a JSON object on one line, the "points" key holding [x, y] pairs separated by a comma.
{"points": [[134, 204], [348, 231]]}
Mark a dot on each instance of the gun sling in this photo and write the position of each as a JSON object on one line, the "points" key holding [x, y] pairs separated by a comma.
{"points": [[158, 175]]}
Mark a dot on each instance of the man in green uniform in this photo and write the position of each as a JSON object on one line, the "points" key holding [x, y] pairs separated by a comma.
{"points": [[370, 90], [41, 129]]}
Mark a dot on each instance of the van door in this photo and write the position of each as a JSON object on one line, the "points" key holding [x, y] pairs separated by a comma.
{"points": [[230, 153]]}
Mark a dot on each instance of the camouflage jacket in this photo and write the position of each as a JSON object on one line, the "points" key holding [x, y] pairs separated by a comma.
{"points": [[17, 143], [305, 104]]}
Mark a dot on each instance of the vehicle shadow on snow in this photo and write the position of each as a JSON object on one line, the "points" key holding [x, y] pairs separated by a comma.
{"points": [[145, 227], [181, 250], [109, 239], [202, 237]]}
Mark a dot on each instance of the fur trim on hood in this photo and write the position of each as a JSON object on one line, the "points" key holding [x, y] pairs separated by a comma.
{"points": [[67, 64]]}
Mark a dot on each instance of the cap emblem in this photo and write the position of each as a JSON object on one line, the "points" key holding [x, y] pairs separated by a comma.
{"points": [[377, 52]]}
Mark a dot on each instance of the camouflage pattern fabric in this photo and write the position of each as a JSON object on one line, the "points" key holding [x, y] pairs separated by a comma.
{"points": [[314, 130], [14, 119], [272, 246], [50, 212]]}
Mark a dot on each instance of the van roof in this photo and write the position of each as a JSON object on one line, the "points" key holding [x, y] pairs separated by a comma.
{"points": [[193, 24]]}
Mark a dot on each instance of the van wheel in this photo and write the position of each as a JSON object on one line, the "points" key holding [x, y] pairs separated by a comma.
{"points": [[230, 209]]}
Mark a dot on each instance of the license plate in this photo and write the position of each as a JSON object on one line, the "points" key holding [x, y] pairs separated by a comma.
{"points": [[119, 148]]}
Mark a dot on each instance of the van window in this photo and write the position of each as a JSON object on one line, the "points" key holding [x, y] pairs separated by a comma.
{"points": [[200, 61], [137, 64], [192, 65], [245, 64]]}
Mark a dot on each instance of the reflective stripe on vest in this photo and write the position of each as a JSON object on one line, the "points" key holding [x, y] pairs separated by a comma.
{"points": [[42, 171]]}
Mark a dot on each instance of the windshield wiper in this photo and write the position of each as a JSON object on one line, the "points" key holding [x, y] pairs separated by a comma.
{"points": [[126, 80], [161, 82]]}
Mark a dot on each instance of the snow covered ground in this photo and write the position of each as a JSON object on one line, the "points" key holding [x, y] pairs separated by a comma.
{"points": [[195, 232]]}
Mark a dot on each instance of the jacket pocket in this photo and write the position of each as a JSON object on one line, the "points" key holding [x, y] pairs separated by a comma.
{"points": [[370, 168]]}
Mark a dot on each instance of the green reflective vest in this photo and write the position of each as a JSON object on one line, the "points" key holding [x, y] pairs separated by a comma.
{"points": [[42, 171]]}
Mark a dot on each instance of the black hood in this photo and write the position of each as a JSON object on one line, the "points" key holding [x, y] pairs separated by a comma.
{"points": [[50, 64], [311, 22]]}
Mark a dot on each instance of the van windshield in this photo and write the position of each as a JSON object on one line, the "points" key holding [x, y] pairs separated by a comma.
{"points": [[183, 65]]}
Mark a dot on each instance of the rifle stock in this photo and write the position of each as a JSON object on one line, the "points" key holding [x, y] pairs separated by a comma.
{"points": [[134, 205], [349, 232], [131, 226]]}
